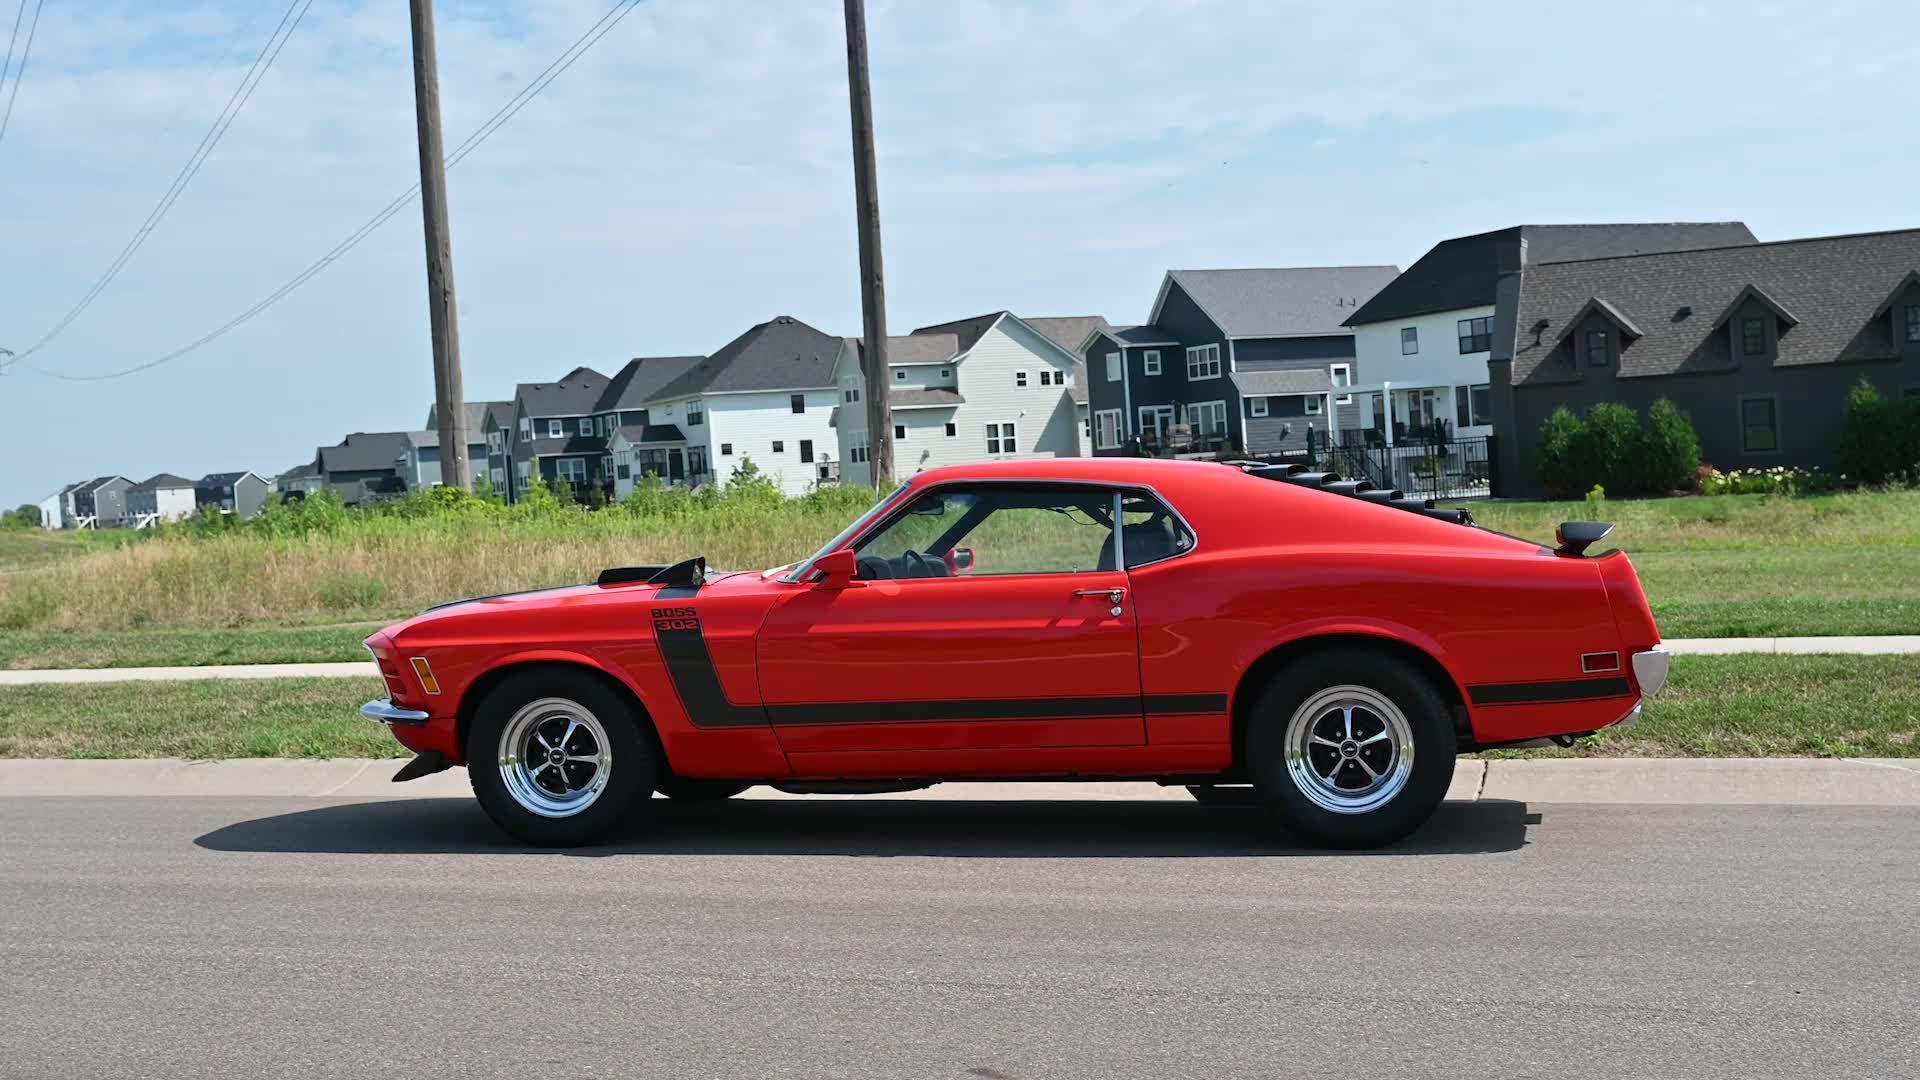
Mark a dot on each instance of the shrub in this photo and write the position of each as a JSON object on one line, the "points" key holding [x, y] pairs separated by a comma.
{"points": [[1670, 449], [1869, 449], [1610, 449], [1554, 456]]}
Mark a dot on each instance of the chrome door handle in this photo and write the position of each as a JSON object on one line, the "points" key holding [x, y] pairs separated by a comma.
{"points": [[1113, 596]]}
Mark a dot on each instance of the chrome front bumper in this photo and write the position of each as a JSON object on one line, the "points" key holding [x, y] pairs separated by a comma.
{"points": [[386, 712], [1650, 670]]}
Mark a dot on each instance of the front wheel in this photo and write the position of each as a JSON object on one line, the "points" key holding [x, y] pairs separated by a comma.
{"points": [[1353, 749], [557, 758]]}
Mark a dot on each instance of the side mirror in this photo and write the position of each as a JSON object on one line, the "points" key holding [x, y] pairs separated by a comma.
{"points": [[837, 569], [960, 560]]}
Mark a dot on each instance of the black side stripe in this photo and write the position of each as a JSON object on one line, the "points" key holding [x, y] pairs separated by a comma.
{"points": [[690, 666], [921, 712], [1533, 693], [1182, 704]]}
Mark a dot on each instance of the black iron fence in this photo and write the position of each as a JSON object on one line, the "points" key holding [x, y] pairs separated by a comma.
{"points": [[1429, 468]]}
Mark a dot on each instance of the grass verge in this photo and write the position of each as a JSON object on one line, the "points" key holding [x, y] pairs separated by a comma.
{"points": [[183, 646], [1716, 706]]}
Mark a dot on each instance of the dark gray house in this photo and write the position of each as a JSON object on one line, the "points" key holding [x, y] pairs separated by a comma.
{"points": [[552, 437], [242, 493], [1759, 343], [102, 502], [1229, 360], [365, 465]]}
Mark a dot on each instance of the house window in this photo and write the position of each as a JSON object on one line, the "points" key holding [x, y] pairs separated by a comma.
{"points": [[1410, 341], [798, 402], [1046, 377], [806, 451], [1759, 424], [726, 449], [1342, 377], [526, 472], [1597, 346], [1150, 362], [1106, 429], [571, 469], [1472, 406], [556, 429], [1019, 378], [1314, 405], [860, 455], [526, 427], [497, 476], [952, 429], [1000, 439], [1208, 417], [493, 441], [1753, 337], [606, 466], [1113, 367], [695, 417], [899, 432], [586, 425], [1476, 335], [779, 446], [1257, 406], [900, 376], [1203, 362], [623, 472], [1913, 323]]}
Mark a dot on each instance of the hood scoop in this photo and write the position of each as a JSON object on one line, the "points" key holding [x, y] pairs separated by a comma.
{"points": [[687, 573]]}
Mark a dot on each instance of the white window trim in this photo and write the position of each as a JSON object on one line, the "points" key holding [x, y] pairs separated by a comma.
{"points": [[586, 425], [1200, 358], [1257, 406], [1150, 362], [1003, 433], [1334, 372], [1114, 367], [1020, 379], [1313, 405], [1216, 407], [1107, 444], [526, 427], [556, 429]]}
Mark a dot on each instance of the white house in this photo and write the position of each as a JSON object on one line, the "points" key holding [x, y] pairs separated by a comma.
{"points": [[53, 511], [993, 386], [160, 498]]}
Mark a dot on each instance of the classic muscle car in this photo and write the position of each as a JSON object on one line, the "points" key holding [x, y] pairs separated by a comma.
{"points": [[1196, 623]]}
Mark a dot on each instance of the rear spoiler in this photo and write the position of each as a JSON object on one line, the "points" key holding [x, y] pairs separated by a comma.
{"points": [[687, 572], [1331, 483], [1575, 537]]}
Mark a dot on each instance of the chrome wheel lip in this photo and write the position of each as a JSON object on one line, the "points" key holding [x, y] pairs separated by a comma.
{"points": [[1323, 786], [525, 755]]}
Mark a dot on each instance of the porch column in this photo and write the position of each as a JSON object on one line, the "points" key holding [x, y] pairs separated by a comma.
{"points": [[1386, 404]]}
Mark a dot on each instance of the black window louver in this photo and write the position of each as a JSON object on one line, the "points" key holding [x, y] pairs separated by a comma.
{"points": [[1333, 484]]}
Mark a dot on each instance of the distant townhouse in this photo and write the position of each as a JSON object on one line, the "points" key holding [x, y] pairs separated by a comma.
{"points": [[552, 437], [1758, 343], [296, 482], [1239, 361], [53, 509], [635, 445], [1422, 342], [158, 499], [244, 493], [364, 466], [421, 467], [992, 386], [101, 503]]}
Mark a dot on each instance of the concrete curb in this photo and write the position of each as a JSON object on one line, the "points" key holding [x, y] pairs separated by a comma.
{"points": [[1882, 645], [1725, 781]]}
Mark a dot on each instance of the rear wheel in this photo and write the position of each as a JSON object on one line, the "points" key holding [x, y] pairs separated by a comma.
{"points": [[1352, 749], [557, 758], [698, 789]]}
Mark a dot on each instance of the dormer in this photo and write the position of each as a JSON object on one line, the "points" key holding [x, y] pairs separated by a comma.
{"points": [[1755, 322], [1902, 309], [1597, 334]]}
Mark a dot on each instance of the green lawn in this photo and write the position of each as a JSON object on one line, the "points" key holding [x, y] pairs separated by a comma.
{"points": [[1734, 706], [186, 647]]}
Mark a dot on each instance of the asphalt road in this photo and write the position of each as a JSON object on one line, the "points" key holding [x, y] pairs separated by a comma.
{"points": [[305, 937]]}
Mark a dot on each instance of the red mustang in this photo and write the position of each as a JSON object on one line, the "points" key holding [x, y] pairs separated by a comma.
{"points": [[1192, 623]]}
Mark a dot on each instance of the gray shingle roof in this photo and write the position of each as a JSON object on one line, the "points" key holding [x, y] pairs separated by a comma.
{"points": [[917, 398], [228, 479], [1459, 273], [1285, 302], [1832, 285], [573, 394], [920, 347], [1285, 381], [476, 414], [163, 480], [779, 354], [640, 381], [364, 451], [499, 415], [1067, 331], [299, 472], [651, 433], [964, 331]]}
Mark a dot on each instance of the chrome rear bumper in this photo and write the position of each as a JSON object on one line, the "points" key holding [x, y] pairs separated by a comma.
{"points": [[386, 712], [1650, 670]]}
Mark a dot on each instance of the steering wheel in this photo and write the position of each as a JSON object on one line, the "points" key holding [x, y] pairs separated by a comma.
{"points": [[918, 565]]}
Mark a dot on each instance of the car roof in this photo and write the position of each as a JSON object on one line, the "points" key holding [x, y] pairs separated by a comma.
{"points": [[1099, 470]]}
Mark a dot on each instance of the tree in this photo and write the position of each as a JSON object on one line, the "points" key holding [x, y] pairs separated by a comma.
{"points": [[27, 516], [1669, 449]]}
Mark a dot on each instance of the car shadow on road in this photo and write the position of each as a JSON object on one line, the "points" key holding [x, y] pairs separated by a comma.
{"points": [[867, 827]]}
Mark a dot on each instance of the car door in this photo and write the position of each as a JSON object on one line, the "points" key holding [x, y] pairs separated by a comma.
{"points": [[985, 617]]}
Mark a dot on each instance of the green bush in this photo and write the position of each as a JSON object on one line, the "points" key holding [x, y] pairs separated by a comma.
{"points": [[1610, 449], [1869, 450]]}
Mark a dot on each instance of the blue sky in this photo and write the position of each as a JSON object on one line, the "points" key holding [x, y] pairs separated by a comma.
{"points": [[689, 177]]}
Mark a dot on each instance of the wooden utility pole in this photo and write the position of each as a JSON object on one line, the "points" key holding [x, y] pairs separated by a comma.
{"points": [[448, 394], [873, 293]]}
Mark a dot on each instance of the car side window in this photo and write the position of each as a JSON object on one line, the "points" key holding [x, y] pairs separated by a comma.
{"points": [[990, 530], [1150, 531]]}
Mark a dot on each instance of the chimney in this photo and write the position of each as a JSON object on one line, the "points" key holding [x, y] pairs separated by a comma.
{"points": [[1510, 253]]}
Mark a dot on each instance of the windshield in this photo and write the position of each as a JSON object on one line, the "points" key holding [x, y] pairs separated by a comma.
{"points": [[846, 534]]}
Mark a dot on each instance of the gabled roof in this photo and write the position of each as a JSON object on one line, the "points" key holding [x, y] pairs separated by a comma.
{"points": [[925, 398], [476, 414], [1064, 332], [573, 394], [965, 332], [1459, 273], [782, 353], [1284, 381], [651, 433], [1911, 278], [1766, 300], [1619, 318], [1297, 301], [641, 379], [227, 479], [1831, 284], [99, 481], [1067, 331], [365, 451], [163, 480], [920, 347], [1129, 336], [499, 416], [299, 472]]}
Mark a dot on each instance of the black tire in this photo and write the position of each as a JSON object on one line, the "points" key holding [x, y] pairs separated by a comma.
{"points": [[633, 762], [698, 789], [1218, 795], [1375, 815]]}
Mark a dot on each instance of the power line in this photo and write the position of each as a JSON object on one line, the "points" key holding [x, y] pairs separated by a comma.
{"points": [[236, 101], [506, 112], [21, 72]]}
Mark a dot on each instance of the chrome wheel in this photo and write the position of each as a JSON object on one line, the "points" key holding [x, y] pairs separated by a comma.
{"points": [[554, 757], [1349, 749]]}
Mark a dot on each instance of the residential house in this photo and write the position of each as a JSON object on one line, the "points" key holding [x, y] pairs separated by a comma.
{"points": [[1421, 343], [992, 386], [295, 483], [243, 493], [552, 437], [422, 465], [101, 503], [53, 513], [621, 418], [1758, 343], [160, 498], [1235, 361], [766, 396], [496, 431], [364, 466]]}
